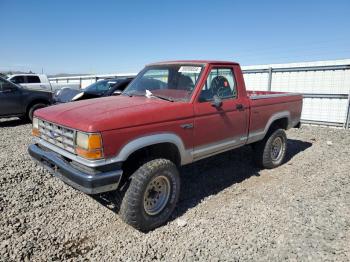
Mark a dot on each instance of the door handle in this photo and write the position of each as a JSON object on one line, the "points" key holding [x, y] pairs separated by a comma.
{"points": [[239, 107], [187, 126]]}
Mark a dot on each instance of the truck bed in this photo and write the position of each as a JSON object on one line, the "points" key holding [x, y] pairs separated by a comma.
{"points": [[266, 106]]}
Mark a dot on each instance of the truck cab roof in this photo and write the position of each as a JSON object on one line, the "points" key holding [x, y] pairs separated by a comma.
{"points": [[202, 62]]}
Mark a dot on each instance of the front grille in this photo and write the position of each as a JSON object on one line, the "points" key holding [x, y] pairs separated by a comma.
{"points": [[57, 135]]}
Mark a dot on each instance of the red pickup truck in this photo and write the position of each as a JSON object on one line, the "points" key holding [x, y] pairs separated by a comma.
{"points": [[171, 114]]}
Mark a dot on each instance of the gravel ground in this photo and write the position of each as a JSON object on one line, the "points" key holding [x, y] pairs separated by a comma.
{"points": [[229, 210]]}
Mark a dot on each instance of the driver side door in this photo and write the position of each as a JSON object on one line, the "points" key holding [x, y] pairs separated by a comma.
{"points": [[219, 126], [10, 99]]}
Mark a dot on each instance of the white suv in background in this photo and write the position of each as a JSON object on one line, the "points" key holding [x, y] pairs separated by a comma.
{"points": [[38, 82]]}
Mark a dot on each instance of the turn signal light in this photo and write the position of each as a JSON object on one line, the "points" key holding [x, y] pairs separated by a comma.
{"points": [[96, 154], [89, 145], [35, 132]]}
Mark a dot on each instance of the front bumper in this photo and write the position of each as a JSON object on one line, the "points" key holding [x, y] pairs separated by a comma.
{"points": [[94, 182]]}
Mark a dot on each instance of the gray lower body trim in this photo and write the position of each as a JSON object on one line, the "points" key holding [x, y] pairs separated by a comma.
{"points": [[260, 134], [217, 148], [256, 136]]}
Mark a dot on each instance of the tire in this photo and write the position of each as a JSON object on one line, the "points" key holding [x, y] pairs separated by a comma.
{"points": [[271, 151], [33, 108], [24, 118], [145, 208]]}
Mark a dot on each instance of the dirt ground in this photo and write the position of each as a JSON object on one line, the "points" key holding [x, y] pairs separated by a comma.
{"points": [[229, 209]]}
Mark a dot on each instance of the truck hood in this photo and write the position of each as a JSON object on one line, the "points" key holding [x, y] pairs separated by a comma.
{"points": [[116, 112]]}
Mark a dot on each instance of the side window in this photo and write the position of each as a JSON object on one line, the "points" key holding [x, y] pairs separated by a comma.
{"points": [[18, 80], [33, 79], [221, 83], [102, 86], [6, 86]]}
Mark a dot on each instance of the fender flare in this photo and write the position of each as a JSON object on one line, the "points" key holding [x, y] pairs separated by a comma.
{"points": [[154, 139], [260, 134], [277, 116]]}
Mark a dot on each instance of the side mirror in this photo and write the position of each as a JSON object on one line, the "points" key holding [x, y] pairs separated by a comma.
{"points": [[117, 92], [217, 102]]}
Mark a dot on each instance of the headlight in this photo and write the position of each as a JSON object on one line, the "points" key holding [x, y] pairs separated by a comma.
{"points": [[35, 129], [35, 123], [58, 92], [77, 96], [82, 140], [89, 145]]}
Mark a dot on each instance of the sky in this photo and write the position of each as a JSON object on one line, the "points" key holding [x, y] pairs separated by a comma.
{"points": [[97, 37]]}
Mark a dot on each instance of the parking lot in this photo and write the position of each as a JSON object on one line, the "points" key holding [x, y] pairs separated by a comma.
{"points": [[229, 210]]}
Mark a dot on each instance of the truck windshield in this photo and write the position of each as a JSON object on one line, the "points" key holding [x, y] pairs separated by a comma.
{"points": [[173, 82]]}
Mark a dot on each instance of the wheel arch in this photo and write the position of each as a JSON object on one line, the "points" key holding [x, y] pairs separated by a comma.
{"points": [[280, 123], [155, 140], [278, 120], [134, 155], [36, 101], [164, 150]]}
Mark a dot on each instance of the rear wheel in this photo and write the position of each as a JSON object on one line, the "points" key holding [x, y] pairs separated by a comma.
{"points": [[33, 108], [271, 151], [152, 195]]}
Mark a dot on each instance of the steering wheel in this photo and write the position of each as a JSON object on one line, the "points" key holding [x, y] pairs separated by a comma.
{"points": [[218, 88], [223, 92]]}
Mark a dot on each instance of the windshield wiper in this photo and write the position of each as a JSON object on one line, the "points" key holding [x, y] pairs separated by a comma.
{"points": [[132, 93], [149, 94], [164, 98], [129, 94]]}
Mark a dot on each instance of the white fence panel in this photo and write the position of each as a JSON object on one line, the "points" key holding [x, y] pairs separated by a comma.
{"points": [[256, 81], [323, 78], [324, 110], [321, 82]]}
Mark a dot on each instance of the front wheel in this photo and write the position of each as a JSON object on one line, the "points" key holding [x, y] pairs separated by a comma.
{"points": [[152, 195], [271, 151]]}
